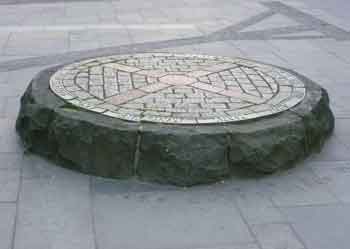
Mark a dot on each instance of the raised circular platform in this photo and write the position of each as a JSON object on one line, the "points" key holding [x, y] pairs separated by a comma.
{"points": [[173, 118]]}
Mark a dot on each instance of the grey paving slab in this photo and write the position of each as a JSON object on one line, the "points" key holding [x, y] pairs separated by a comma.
{"points": [[54, 203], [55, 212], [15, 83], [125, 187], [113, 37], [35, 167], [219, 49], [90, 9], [334, 150], [14, 91], [15, 2], [130, 18], [89, 39], [35, 43], [10, 107], [261, 51], [341, 108], [261, 11], [243, 246], [276, 21], [3, 39], [297, 187], [258, 208], [332, 7], [276, 236], [3, 77], [209, 26], [9, 19], [188, 219], [337, 178], [342, 131], [9, 184], [342, 127], [151, 35], [336, 70], [321, 227], [78, 19], [7, 224], [9, 141], [78, 45], [305, 18], [20, 80], [11, 161], [7, 58], [339, 49], [2, 106], [154, 15]]}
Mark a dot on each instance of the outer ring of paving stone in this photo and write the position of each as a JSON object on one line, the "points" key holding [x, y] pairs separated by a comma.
{"points": [[177, 88], [177, 154]]}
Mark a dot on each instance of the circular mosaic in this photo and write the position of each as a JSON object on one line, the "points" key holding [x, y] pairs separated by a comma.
{"points": [[177, 88]]}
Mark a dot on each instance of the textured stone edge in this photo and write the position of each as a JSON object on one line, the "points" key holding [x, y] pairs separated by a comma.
{"points": [[177, 154]]}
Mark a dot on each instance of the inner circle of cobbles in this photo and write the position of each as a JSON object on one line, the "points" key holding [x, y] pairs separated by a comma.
{"points": [[177, 88]]}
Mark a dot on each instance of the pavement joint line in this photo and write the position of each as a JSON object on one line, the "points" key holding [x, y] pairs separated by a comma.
{"points": [[249, 227], [289, 224], [327, 187], [21, 3], [8, 202], [74, 27], [228, 33], [18, 197], [92, 209]]}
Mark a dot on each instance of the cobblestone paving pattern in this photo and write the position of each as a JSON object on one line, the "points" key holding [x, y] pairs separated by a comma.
{"points": [[174, 88]]}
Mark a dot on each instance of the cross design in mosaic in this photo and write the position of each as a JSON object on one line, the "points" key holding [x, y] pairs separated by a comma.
{"points": [[177, 88]]}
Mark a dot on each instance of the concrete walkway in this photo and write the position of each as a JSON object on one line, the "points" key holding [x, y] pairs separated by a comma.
{"points": [[43, 206]]}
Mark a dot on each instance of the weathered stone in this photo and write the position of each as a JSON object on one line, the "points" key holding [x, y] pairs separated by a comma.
{"points": [[76, 138], [104, 149], [178, 154], [268, 144], [316, 114], [36, 113], [183, 155]]}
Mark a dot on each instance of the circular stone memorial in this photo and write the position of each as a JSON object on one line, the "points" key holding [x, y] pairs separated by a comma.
{"points": [[173, 118]]}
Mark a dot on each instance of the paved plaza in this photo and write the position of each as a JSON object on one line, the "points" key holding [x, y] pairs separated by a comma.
{"points": [[43, 206]]}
